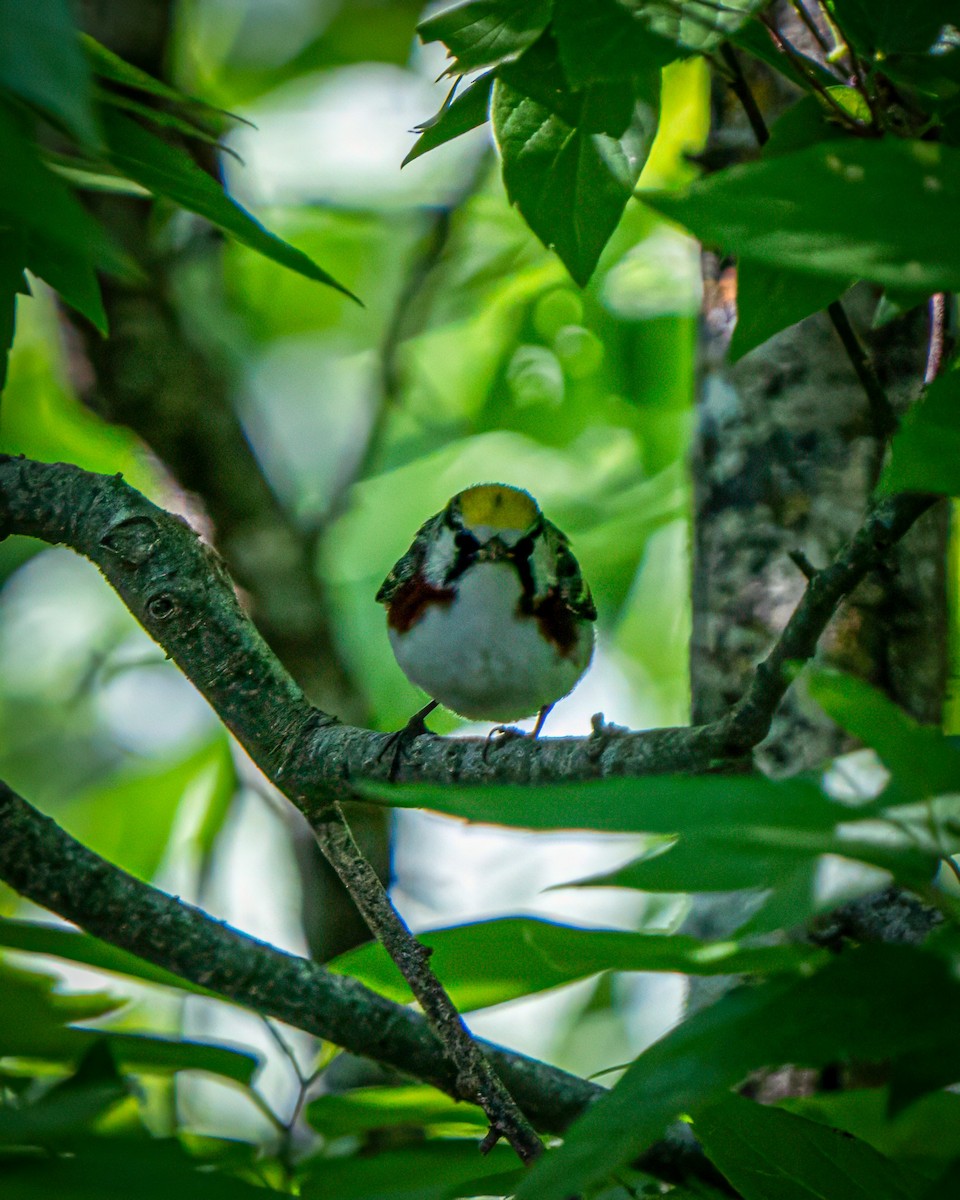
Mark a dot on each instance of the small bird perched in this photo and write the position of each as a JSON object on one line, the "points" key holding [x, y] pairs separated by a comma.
{"points": [[487, 611]]}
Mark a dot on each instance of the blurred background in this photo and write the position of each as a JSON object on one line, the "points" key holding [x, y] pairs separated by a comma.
{"points": [[473, 358]]}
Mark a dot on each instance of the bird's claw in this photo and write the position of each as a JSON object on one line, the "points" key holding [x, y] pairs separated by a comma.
{"points": [[602, 732], [398, 741], [499, 735]]}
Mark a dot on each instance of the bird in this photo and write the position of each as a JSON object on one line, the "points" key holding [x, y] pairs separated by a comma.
{"points": [[487, 612]]}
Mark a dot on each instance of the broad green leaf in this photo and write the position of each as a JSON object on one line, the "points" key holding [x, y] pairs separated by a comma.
{"points": [[645, 804], [166, 170], [700, 25], [360, 1110], [163, 118], [42, 63], [922, 762], [771, 299], [197, 113], [63, 242], [38, 1024], [36, 1014], [806, 123], [128, 817], [925, 452], [874, 1004], [768, 1154], [936, 77], [165, 1055], [36, 938], [12, 284], [70, 272], [754, 38], [880, 27], [70, 1107], [490, 962], [479, 33], [438, 1170], [762, 857], [464, 111], [837, 210], [571, 159], [926, 1135], [604, 41], [148, 1168]]}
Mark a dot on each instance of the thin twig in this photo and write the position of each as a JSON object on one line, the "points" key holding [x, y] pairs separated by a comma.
{"points": [[744, 93], [801, 10], [936, 347], [883, 416], [802, 64], [477, 1080]]}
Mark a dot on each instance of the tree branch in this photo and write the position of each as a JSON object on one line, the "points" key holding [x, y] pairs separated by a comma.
{"points": [[881, 411], [47, 865], [178, 590]]}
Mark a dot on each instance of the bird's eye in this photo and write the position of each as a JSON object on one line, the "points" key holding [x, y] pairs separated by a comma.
{"points": [[466, 541]]}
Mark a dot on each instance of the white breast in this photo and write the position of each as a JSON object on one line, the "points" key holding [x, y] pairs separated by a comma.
{"points": [[477, 656]]}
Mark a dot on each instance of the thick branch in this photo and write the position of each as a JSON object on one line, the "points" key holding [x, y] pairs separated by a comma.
{"points": [[44, 863], [180, 593]]}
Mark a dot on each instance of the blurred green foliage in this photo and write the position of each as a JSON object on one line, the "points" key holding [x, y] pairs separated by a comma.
{"points": [[474, 357]]}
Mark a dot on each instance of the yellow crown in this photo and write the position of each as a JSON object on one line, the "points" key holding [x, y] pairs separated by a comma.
{"points": [[498, 506]]}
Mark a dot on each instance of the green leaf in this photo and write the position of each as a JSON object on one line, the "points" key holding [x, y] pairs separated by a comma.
{"points": [[490, 962], [127, 818], [921, 760], [925, 452], [754, 38], [168, 171], [460, 113], [571, 159], [604, 41], [874, 1003], [197, 113], [700, 25], [36, 938], [768, 1154], [166, 1055], [646, 804], [63, 242], [877, 28], [480, 33], [834, 210], [925, 1136], [38, 1024], [340, 1114], [769, 300], [12, 284], [148, 1168], [439, 1170], [42, 63], [69, 1108], [71, 273], [762, 856]]}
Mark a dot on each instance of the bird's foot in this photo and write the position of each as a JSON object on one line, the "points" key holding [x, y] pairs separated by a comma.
{"points": [[398, 742], [601, 734], [500, 735]]}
